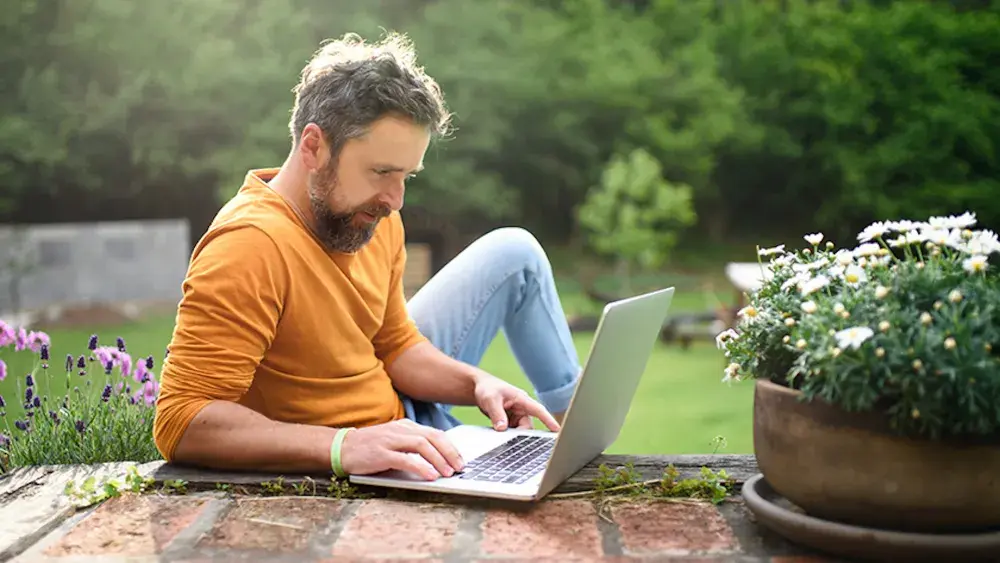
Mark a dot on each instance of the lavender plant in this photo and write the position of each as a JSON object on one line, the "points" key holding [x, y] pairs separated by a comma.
{"points": [[99, 408], [906, 324]]}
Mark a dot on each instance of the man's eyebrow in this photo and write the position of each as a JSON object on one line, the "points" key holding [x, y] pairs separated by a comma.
{"points": [[394, 168]]}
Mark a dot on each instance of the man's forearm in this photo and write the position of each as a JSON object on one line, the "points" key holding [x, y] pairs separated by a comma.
{"points": [[227, 435], [425, 373]]}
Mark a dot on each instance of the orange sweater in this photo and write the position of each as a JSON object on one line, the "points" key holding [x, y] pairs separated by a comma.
{"points": [[270, 320]]}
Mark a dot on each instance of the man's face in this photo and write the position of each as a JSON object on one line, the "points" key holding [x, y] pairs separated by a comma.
{"points": [[351, 194]]}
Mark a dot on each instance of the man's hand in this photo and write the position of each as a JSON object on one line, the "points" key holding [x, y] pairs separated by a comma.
{"points": [[509, 407], [403, 445]]}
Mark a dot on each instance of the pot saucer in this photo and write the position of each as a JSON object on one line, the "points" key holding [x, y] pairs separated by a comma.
{"points": [[778, 514]]}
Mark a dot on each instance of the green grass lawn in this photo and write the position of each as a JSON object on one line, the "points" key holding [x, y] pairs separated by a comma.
{"points": [[680, 407]]}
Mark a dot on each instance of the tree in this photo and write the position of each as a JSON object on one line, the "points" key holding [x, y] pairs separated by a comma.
{"points": [[635, 214]]}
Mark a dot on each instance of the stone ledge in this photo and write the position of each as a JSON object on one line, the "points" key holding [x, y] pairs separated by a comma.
{"points": [[210, 525], [739, 467], [213, 527]]}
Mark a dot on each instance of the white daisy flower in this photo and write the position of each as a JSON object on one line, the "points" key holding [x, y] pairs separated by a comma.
{"points": [[853, 337], [809, 307], [975, 264], [898, 241], [814, 285], [916, 236], [731, 372], [873, 231], [855, 275], [962, 221], [867, 249], [780, 249], [814, 239], [982, 242], [844, 257], [724, 337], [810, 266]]}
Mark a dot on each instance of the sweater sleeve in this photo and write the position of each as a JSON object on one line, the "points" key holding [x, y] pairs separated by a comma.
{"points": [[226, 320], [399, 332]]}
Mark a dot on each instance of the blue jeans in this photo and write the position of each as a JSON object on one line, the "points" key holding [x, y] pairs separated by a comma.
{"points": [[502, 281]]}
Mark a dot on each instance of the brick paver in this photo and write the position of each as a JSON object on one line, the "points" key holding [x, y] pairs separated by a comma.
{"points": [[129, 525], [670, 528], [287, 524], [387, 529], [564, 529]]}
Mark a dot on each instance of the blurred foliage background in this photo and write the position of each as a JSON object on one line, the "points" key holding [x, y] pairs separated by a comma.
{"points": [[775, 117]]}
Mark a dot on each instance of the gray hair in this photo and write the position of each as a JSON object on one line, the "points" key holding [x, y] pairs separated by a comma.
{"points": [[348, 84]]}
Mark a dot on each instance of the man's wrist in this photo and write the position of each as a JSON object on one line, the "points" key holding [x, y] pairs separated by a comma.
{"points": [[336, 452]]}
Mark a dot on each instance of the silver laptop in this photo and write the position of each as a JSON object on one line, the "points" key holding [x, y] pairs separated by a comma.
{"points": [[528, 464]]}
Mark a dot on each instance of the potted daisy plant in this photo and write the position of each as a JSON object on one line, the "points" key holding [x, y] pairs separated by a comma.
{"points": [[877, 375]]}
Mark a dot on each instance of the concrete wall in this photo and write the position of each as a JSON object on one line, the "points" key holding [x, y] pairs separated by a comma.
{"points": [[96, 263]]}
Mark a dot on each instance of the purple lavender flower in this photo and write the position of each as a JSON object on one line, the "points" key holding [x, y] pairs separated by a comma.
{"points": [[104, 355], [29, 381], [121, 344], [43, 354], [150, 391], [2, 402], [125, 363], [81, 363], [21, 425], [108, 367], [54, 416], [4, 440], [3, 370], [28, 395], [140, 374], [69, 363], [149, 362], [92, 345], [20, 340], [80, 426], [7, 335], [37, 402], [107, 393], [35, 340]]}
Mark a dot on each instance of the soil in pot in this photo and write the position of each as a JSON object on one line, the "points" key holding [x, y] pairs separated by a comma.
{"points": [[852, 468]]}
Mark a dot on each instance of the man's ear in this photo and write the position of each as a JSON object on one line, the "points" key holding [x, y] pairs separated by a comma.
{"points": [[313, 150]]}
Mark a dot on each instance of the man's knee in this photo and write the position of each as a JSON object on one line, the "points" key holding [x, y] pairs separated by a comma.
{"points": [[515, 245]]}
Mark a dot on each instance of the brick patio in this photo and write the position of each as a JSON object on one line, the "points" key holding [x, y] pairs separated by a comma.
{"points": [[216, 527], [213, 525]]}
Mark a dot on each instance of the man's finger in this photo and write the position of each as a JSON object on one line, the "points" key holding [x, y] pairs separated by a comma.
{"points": [[441, 444], [534, 408], [494, 409], [523, 421], [429, 451], [414, 464]]}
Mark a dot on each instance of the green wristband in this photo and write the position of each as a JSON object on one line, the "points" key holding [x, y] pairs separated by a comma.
{"points": [[338, 440]]}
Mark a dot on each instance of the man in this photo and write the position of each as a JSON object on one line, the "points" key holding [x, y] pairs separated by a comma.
{"points": [[293, 324]]}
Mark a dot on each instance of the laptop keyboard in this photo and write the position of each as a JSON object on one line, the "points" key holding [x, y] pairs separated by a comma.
{"points": [[514, 461]]}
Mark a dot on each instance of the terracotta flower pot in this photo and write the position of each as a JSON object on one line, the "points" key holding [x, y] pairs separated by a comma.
{"points": [[851, 468]]}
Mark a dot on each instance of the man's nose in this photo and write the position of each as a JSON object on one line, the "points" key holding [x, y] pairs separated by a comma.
{"points": [[393, 197]]}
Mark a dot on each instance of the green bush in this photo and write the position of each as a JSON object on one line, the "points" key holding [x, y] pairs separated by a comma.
{"points": [[906, 324], [66, 420]]}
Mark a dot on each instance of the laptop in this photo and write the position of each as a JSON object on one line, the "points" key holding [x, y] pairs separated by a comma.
{"points": [[526, 465]]}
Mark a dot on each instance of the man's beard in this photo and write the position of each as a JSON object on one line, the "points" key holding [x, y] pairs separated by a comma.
{"points": [[337, 231]]}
